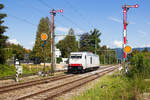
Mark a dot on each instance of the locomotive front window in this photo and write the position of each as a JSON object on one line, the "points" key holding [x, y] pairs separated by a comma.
{"points": [[76, 56]]}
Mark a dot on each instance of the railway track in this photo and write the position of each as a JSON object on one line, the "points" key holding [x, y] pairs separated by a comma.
{"points": [[7, 88], [53, 92], [15, 86]]}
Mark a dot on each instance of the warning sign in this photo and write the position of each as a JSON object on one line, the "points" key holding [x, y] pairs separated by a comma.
{"points": [[127, 49], [44, 36]]}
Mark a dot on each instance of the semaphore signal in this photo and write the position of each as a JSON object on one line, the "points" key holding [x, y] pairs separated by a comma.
{"points": [[125, 9], [53, 60]]}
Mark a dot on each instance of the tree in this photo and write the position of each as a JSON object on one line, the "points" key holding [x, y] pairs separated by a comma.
{"points": [[68, 44], [95, 39], [84, 42], [37, 52], [3, 38], [145, 50], [17, 51], [90, 42]]}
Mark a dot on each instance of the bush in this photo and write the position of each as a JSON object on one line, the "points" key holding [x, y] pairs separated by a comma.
{"points": [[140, 65], [59, 60], [6, 70]]}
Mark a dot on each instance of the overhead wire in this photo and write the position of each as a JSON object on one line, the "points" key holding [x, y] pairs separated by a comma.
{"points": [[80, 14], [23, 20], [63, 16]]}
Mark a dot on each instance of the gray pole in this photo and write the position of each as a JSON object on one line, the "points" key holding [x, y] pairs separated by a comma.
{"points": [[104, 57], [44, 61], [53, 48], [95, 46], [52, 42]]}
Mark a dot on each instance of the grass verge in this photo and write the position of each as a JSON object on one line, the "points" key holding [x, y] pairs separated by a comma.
{"points": [[115, 87]]}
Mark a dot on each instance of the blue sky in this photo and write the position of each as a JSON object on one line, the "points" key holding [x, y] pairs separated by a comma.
{"points": [[82, 16]]}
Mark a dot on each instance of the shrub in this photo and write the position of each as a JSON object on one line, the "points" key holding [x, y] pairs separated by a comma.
{"points": [[140, 65]]}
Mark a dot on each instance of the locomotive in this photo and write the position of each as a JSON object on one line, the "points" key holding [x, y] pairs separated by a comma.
{"points": [[82, 62]]}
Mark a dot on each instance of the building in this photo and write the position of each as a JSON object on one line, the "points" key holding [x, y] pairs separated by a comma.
{"points": [[57, 53]]}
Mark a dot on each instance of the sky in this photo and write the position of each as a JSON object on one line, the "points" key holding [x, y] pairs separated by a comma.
{"points": [[81, 15]]}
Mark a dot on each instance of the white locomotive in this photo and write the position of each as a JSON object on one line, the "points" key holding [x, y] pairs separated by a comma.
{"points": [[82, 61]]}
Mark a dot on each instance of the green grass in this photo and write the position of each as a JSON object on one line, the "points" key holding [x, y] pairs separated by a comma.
{"points": [[33, 69], [6, 70], [116, 88]]}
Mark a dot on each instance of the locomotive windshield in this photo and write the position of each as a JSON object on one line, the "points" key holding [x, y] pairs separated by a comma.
{"points": [[76, 56]]}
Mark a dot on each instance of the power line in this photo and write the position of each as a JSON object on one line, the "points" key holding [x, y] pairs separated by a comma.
{"points": [[65, 17], [21, 19], [77, 11], [44, 3]]}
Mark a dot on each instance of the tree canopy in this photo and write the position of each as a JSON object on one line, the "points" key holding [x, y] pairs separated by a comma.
{"points": [[37, 52], [68, 44], [16, 50], [90, 42], [3, 38]]}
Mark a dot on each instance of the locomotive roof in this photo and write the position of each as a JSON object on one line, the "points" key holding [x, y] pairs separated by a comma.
{"points": [[89, 53]]}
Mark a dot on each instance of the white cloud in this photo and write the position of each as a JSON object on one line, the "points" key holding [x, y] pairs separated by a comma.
{"points": [[142, 46], [65, 29], [58, 38], [79, 31], [29, 45], [148, 22], [142, 33], [14, 41], [117, 44], [132, 23], [119, 20], [62, 29], [115, 19]]}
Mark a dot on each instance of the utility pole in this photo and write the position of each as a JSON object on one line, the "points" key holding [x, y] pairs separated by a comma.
{"points": [[95, 46], [125, 9], [53, 62], [106, 53]]}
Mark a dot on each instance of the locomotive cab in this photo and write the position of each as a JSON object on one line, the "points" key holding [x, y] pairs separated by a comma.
{"points": [[75, 63], [82, 61]]}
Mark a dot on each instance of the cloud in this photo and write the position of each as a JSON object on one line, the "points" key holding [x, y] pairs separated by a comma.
{"points": [[118, 20], [148, 23], [115, 19], [14, 41], [142, 46], [132, 23], [58, 38], [117, 44], [79, 31], [29, 45], [142, 33], [62, 29]]}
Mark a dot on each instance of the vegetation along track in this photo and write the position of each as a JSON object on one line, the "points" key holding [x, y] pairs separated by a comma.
{"points": [[31, 83], [52, 92]]}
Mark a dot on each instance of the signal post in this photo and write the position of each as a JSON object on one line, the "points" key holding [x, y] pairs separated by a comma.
{"points": [[52, 34], [125, 9]]}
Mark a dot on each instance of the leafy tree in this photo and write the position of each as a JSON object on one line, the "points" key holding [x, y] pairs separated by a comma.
{"points": [[3, 38], [90, 42], [68, 44], [145, 50], [38, 52], [16, 50], [84, 42], [95, 40]]}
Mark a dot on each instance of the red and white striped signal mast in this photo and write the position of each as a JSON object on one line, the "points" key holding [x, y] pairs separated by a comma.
{"points": [[125, 9], [53, 62]]}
